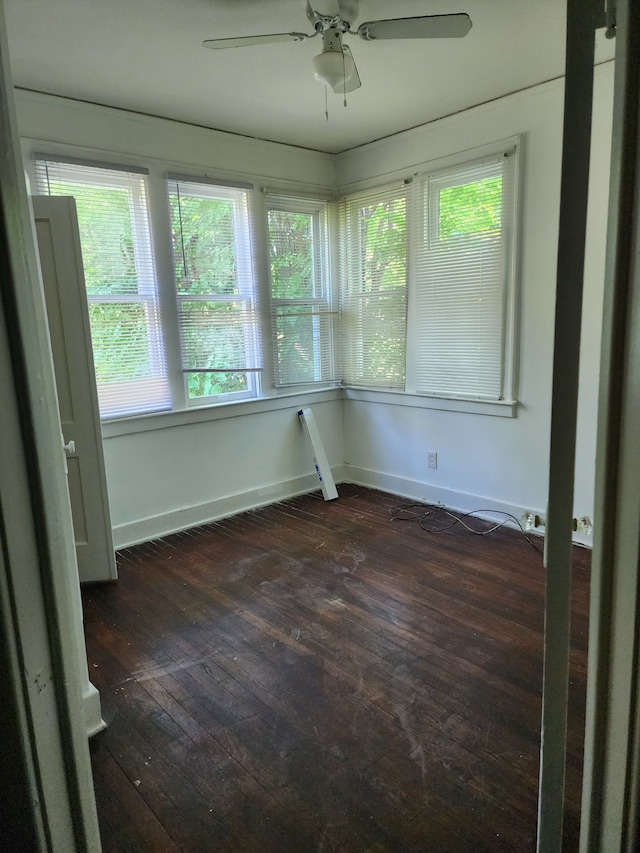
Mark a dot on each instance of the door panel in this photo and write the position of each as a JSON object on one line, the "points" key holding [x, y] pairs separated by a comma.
{"points": [[68, 314], [74, 478]]}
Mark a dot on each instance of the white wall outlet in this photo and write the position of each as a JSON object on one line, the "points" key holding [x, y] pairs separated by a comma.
{"points": [[432, 459]]}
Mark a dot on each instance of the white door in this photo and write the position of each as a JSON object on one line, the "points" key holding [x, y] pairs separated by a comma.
{"points": [[64, 287]]}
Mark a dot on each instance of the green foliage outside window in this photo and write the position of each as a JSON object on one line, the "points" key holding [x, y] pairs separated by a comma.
{"points": [[382, 229], [210, 384], [203, 245], [120, 339], [119, 330], [104, 219], [299, 327], [298, 332], [291, 255], [383, 241], [471, 209], [213, 336], [204, 251]]}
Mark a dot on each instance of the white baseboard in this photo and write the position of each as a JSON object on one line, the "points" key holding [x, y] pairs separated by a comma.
{"points": [[455, 500], [428, 492], [92, 710], [154, 527]]}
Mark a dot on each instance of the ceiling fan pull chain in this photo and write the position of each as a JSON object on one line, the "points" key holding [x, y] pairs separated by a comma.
{"points": [[344, 80], [326, 104]]}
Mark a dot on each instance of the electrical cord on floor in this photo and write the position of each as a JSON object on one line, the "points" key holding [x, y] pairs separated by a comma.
{"points": [[422, 512]]}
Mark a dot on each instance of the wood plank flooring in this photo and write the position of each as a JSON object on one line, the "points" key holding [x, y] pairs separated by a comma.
{"points": [[320, 677]]}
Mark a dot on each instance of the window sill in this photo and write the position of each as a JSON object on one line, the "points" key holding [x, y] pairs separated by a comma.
{"points": [[217, 411], [496, 408], [240, 408]]}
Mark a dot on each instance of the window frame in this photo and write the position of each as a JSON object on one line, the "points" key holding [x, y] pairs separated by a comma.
{"points": [[502, 162], [129, 178], [353, 292], [506, 404], [322, 305], [247, 284], [180, 409]]}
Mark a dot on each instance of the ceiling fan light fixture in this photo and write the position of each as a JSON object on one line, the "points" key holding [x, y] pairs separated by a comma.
{"points": [[333, 67]]}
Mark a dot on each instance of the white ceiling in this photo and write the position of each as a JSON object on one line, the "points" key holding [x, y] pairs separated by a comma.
{"points": [[147, 55]]}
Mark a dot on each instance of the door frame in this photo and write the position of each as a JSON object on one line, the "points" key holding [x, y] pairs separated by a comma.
{"points": [[51, 803], [611, 781], [611, 777], [583, 18]]}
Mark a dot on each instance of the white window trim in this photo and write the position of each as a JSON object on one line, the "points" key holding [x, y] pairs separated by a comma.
{"points": [[457, 403], [352, 273], [222, 411], [300, 398], [270, 397], [442, 179], [126, 177], [497, 408], [326, 297], [208, 188]]}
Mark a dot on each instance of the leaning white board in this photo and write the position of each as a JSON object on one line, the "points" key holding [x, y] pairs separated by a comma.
{"points": [[323, 469]]}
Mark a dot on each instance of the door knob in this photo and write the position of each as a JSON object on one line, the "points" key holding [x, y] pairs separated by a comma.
{"points": [[70, 447]]}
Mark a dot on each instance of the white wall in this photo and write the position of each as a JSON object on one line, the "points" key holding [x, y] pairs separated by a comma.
{"points": [[180, 469], [168, 479], [61, 121], [175, 471], [486, 461]]}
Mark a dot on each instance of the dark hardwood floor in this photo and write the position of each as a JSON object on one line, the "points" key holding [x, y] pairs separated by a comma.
{"points": [[319, 677]]}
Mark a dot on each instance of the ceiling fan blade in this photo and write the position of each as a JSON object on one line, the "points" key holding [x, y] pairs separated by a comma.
{"points": [[353, 82], [310, 13], [248, 41], [348, 10], [424, 27]]}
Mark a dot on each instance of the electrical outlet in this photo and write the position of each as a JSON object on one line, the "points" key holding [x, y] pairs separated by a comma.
{"points": [[432, 459]]}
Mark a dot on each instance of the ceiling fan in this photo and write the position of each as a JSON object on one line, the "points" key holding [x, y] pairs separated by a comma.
{"points": [[335, 66]]}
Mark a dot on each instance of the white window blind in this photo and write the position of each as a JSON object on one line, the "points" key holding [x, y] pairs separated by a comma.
{"points": [[219, 327], [302, 315], [461, 279], [373, 229], [120, 279]]}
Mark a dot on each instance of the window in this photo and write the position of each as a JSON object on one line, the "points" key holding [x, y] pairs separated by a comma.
{"points": [[120, 278], [462, 280], [424, 302], [301, 304], [450, 237], [217, 315], [374, 288]]}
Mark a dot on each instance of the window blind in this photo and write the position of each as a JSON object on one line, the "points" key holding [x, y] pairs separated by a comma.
{"points": [[212, 249], [120, 279], [302, 315], [373, 229], [461, 280]]}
